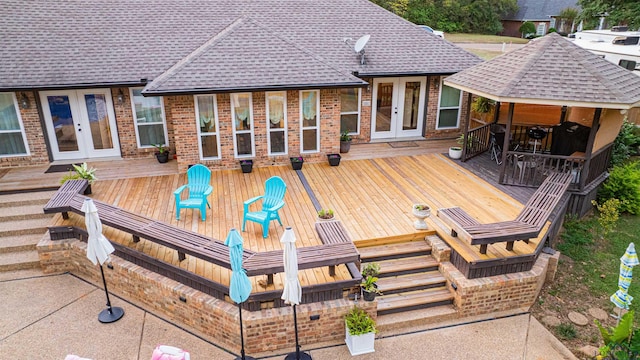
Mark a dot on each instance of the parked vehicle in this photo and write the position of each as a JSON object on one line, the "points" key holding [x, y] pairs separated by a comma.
{"points": [[430, 29], [616, 45]]}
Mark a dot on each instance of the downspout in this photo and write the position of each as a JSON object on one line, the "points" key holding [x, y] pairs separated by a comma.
{"points": [[505, 145], [589, 150]]}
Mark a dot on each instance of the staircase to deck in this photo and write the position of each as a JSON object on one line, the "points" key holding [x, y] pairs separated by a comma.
{"points": [[413, 290], [22, 224]]}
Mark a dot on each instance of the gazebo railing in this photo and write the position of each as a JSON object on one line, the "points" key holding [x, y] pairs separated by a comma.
{"points": [[478, 140], [529, 169]]}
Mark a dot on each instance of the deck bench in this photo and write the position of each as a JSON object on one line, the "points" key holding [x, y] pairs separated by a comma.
{"points": [[333, 232], [527, 224], [68, 198]]}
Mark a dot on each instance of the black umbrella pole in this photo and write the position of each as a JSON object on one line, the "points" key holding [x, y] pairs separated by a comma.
{"points": [[110, 314], [242, 355], [298, 355]]}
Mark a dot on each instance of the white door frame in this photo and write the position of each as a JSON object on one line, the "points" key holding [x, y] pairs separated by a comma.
{"points": [[397, 108], [81, 122]]}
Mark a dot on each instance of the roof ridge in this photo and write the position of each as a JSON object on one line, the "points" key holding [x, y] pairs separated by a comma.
{"points": [[197, 52], [524, 69], [301, 48]]}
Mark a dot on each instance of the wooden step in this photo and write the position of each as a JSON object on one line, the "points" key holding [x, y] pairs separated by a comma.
{"points": [[418, 235], [411, 282], [23, 212], [21, 274], [30, 198], [19, 260], [406, 321], [24, 227], [388, 304], [20, 242], [412, 265], [394, 251]]}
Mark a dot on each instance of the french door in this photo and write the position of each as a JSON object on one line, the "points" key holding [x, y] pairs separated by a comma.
{"points": [[80, 123], [398, 107]]}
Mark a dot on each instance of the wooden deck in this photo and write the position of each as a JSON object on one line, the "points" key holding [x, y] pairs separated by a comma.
{"points": [[372, 198]]}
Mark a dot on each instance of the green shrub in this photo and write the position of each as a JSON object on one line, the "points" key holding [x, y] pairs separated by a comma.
{"points": [[527, 28], [552, 30], [608, 214], [625, 145], [622, 341], [623, 184]]}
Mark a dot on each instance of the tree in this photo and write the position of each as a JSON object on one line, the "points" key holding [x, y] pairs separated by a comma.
{"points": [[617, 12], [527, 28], [569, 15]]}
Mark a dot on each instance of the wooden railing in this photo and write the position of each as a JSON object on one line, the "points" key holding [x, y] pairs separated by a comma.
{"points": [[598, 164], [477, 141], [528, 169]]}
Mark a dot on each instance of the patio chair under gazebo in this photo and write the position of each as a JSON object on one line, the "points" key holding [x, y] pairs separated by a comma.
{"points": [[561, 107]]}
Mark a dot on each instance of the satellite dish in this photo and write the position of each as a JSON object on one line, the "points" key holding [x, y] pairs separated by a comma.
{"points": [[359, 46]]}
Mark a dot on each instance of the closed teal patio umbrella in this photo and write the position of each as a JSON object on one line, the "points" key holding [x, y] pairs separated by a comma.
{"points": [[621, 297], [240, 285]]}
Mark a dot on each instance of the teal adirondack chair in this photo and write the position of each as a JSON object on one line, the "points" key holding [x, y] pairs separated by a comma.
{"points": [[199, 188], [272, 201]]}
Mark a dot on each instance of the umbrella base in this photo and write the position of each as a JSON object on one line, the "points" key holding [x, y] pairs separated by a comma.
{"points": [[114, 315], [245, 358], [303, 356]]}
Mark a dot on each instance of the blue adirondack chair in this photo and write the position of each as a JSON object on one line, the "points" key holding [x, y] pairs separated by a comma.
{"points": [[199, 188], [272, 201]]}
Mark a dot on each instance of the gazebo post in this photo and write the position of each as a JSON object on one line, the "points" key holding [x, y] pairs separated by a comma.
{"points": [[466, 130], [505, 145], [587, 154]]}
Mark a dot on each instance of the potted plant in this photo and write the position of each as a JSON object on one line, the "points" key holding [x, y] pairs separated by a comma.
{"points": [[360, 331], [296, 162], [421, 212], [369, 288], [162, 154], [82, 171], [345, 142], [334, 159], [325, 214], [246, 166], [482, 106], [370, 269]]}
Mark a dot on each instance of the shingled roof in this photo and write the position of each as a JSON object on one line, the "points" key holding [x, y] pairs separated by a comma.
{"points": [[540, 10], [211, 45], [551, 70]]}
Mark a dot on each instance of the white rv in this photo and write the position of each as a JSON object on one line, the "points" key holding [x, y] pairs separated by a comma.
{"points": [[617, 45]]}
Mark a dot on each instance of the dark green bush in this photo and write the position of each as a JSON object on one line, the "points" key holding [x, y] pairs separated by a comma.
{"points": [[623, 184], [527, 27], [626, 144]]}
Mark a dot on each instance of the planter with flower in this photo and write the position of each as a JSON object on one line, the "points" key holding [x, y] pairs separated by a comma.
{"points": [[421, 212], [345, 141], [246, 166], [360, 331], [325, 215], [82, 171], [162, 154], [296, 162]]}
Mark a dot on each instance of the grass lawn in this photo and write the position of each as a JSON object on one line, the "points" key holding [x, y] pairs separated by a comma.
{"points": [[485, 39], [587, 276]]}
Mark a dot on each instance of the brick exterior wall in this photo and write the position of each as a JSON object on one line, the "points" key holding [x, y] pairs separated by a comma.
{"points": [[183, 138], [35, 136], [211, 318]]}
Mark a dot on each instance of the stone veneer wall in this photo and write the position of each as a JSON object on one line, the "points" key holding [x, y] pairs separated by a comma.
{"points": [[35, 136], [214, 319]]}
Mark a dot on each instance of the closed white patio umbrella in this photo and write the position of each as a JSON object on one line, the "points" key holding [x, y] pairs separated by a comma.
{"points": [[292, 293], [98, 250]]}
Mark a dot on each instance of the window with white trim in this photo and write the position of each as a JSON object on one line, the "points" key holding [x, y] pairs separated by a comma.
{"points": [[149, 119], [448, 107], [350, 110], [242, 115], [13, 140], [310, 121], [276, 109], [207, 125]]}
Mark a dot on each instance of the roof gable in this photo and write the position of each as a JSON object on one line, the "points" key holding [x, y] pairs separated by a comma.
{"points": [[247, 55]]}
